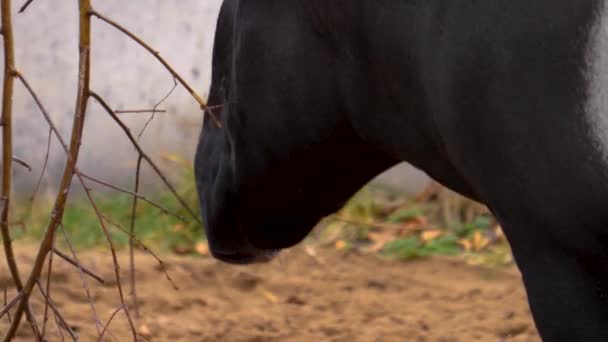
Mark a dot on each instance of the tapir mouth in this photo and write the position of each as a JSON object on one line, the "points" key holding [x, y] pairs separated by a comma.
{"points": [[246, 258]]}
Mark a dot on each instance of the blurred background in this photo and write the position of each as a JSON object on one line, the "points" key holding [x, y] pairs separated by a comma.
{"points": [[128, 78]]}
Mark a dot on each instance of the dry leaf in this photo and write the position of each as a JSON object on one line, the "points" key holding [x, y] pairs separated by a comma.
{"points": [[182, 249], [479, 241], [144, 330], [202, 248], [271, 297], [500, 235], [310, 251], [178, 227], [420, 220], [340, 245], [430, 235], [379, 241], [465, 244]]}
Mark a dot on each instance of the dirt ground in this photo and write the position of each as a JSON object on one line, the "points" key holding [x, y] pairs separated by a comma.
{"points": [[304, 295]]}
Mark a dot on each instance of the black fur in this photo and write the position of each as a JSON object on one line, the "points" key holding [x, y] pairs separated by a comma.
{"points": [[487, 97]]}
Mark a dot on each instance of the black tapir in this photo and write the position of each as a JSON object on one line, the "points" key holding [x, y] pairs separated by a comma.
{"points": [[503, 101]]}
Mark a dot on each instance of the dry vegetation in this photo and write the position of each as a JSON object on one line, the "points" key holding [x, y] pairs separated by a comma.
{"points": [[20, 304]]}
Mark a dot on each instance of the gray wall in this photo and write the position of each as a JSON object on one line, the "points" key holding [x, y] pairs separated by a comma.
{"points": [[129, 78]]}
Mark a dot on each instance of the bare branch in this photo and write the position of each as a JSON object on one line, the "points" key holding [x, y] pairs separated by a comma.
{"points": [[66, 180], [141, 197], [105, 328], [7, 165], [144, 155], [156, 106], [22, 163], [45, 113], [139, 111], [58, 315], [85, 284], [145, 248], [49, 274], [131, 240], [25, 6], [32, 198], [7, 308], [112, 251], [76, 264], [156, 54]]}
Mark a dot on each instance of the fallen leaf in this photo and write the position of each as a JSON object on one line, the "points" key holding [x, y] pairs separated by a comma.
{"points": [[465, 244], [144, 330], [430, 235], [271, 297], [379, 241], [500, 235], [340, 245], [310, 250], [421, 220], [479, 241], [202, 248], [182, 249], [178, 227]]}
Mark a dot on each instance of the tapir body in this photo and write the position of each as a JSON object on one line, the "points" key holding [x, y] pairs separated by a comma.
{"points": [[503, 101]]}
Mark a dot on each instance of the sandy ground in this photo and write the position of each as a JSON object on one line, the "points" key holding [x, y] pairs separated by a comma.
{"points": [[299, 297]]}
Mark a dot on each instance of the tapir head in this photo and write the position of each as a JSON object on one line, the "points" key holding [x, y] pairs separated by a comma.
{"points": [[263, 189]]}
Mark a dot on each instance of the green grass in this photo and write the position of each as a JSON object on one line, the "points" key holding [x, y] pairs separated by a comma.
{"points": [[153, 227], [370, 214]]}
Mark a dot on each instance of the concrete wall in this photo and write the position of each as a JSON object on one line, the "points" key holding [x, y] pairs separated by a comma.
{"points": [[124, 74]]}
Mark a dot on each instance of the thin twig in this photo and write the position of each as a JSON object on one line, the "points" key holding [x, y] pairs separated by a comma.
{"points": [[131, 240], [105, 328], [49, 273], [147, 250], [83, 279], [139, 111], [22, 163], [45, 113], [141, 197], [7, 307], [156, 106], [144, 155], [32, 198], [106, 232], [76, 264], [25, 6], [156, 54], [58, 315]]}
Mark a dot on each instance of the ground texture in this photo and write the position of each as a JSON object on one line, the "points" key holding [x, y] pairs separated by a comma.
{"points": [[304, 295]]}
